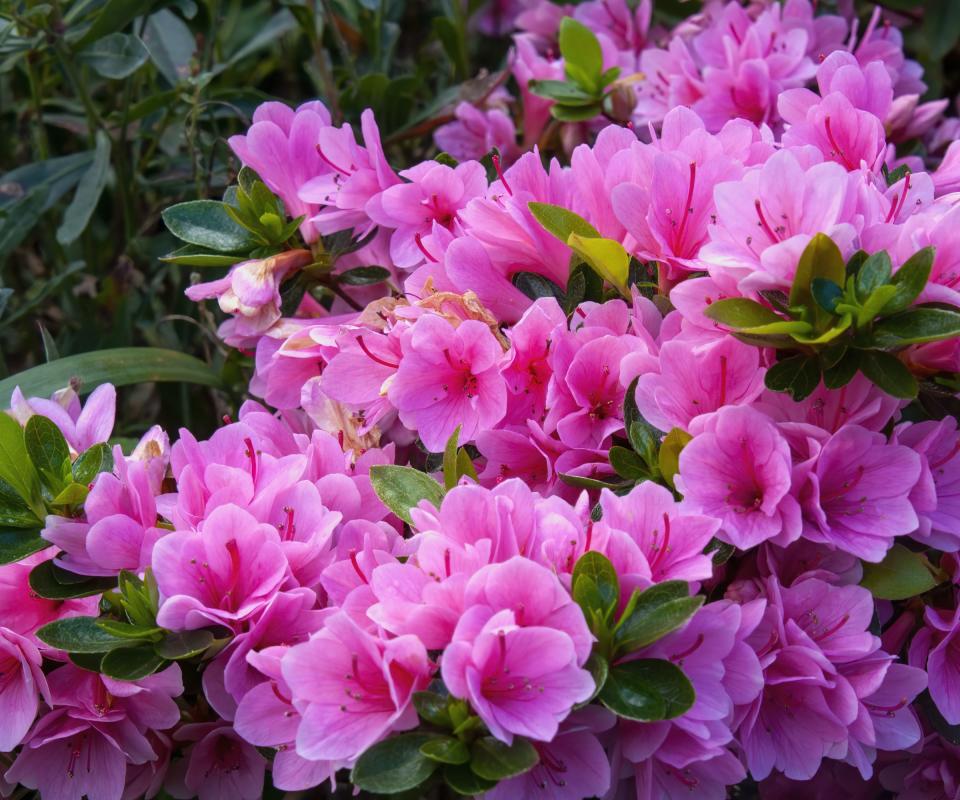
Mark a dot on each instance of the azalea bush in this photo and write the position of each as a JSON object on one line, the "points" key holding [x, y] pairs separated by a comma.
{"points": [[574, 417]]}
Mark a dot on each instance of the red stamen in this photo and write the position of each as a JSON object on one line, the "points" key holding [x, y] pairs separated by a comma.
{"points": [[837, 150], [589, 540], [373, 357], [496, 165], [446, 354], [763, 221], [427, 254], [687, 210], [446, 561], [356, 566], [723, 380], [226, 419], [736, 36], [333, 166], [692, 649], [887, 711], [664, 545], [252, 455], [832, 629], [940, 462]]}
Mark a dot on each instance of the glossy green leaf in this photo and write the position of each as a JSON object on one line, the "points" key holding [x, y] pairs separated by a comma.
{"points": [[184, 644], [433, 708], [821, 258], [446, 750], [647, 690], [206, 223], [564, 92], [668, 458], [364, 276], [875, 271], [18, 543], [80, 635], [901, 575], [114, 15], [192, 256], [402, 488], [658, 611], [171, 45], [16, 468], [910, 280], [580, 47], [799, 375], [125, 630], [91, 462], [595, 584], [394, 765], [562, 222], [606, 256], [48, 451], [121, 366], [889, 373], [492, 759], [55, 583], [826, 293], [917, 325], [536, 286], [465, 781], [628, 464], [741, 312], [131, 663], [841, 373]]}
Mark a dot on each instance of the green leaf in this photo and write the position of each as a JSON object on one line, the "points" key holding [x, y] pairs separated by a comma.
{"points": [[393, 765], [826, 293], [16, 468], [841, 373], [73, 494], [599, 668], [446, 750], [171, 45], [364, 276], [184, 644], [821, 258], [206, 223], [492, 759], [88, 661], [916, 325], [874, 272], [889, 373], [14, 511], [647, 690], [941, 27], [910, 280], [192, 256], [583, 284], [121, 366], [878, 298], [16, 544], [580, 47], [114, 16], [901, 575], [465, 781], [131, 663], [595, 584], [450, 472], [659, 610], [628, 464], [55, 583], [433, 708], [536, 286], [741, 312], [402, 488], [784, 326], [799, 375], [91, 462], [115, 56], [668, 458], [563, 92], [85, 199], [125, 630], [575, 113], [606, 256], [561, 222], [48, 451], [80, 635]]}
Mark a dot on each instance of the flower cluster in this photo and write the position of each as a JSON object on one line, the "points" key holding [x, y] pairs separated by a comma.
{"points": [[638, 474]]}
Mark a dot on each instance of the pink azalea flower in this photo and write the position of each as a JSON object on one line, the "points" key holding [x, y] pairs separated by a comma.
{"points": [[931, 772], [697, 377], [857, 496], [353, 688], [521, 681], [219, 765], [671, 540], [81, 427], [449, 377], [475, 132], [222, 574], [738, 469], [281, 147], [936, 648], [434, 193], [526, 367], [23, 684]]}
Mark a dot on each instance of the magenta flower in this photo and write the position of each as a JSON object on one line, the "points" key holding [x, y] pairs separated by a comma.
{"points": [[475, 132], [353, 688], [23, 684], [697, 377], [936, 648], [671, 539], [281, 147], [738, 469], [521, 681], [857, 496], [222, 574], [449, 377], [435, 193], [81, 427], [219, 765]]}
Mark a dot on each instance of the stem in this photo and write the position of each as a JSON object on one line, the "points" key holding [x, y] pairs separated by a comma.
{"points": [[39, 130]]}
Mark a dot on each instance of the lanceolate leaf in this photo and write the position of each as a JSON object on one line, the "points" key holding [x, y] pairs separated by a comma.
{"points": [[121, 366], [402, 488]]}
